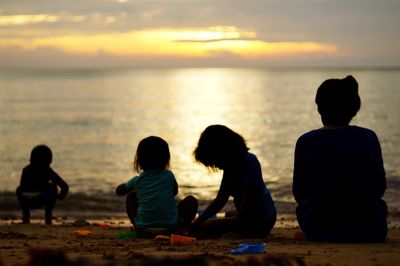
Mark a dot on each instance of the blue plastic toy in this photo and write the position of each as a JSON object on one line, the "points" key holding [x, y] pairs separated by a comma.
{"points": [[249, 248], [200, 212]]}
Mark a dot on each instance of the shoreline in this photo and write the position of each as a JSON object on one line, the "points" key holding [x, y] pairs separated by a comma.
{"points": [[103, 206], [103, 202]]}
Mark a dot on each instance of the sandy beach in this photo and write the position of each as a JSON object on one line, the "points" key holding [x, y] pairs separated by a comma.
{"points": [[58, 244], [38, 244]]}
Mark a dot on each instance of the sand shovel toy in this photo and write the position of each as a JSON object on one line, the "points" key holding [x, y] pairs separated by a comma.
{"points": [[178, 240]]}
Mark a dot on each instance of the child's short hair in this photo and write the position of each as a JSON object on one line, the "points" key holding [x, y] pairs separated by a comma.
{"points": [[41, 155], [219, 145], [338, 100], [152, 153]]}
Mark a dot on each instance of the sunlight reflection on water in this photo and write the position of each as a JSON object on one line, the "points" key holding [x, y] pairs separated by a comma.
{"points": [[93, 119]]}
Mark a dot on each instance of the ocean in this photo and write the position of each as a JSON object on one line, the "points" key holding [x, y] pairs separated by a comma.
{"points": [[93, 119]]}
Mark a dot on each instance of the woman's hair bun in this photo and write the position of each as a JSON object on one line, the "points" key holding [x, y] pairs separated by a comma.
{"points": [[350, 80]]}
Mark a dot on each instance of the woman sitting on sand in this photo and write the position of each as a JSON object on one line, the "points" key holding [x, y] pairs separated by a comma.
{"points": [[150, 203], [339, 179], [221, 148]]}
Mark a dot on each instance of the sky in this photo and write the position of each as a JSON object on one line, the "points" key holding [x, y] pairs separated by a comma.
{"points": [[212, 33]]}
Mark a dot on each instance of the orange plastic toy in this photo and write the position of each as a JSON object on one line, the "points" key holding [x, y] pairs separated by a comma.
{"points": [[82, 232], [178, 240], [103, 225]]}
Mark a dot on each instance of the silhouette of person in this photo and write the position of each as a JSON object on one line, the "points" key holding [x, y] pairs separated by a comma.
{"points": [[150, 201], [39, 185], [339, 178], [221, 148]]}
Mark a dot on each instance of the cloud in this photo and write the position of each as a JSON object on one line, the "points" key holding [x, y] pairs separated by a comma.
{"points": [[213, 40], [222, 54], [27, 19], [151, 14], [365, 29]]}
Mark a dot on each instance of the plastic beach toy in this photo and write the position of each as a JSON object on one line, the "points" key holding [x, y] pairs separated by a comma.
{"points": [[162, 238], [178, 240], [200, 212], [125, 235], [103, 225], [82, 232], [249, 248]]}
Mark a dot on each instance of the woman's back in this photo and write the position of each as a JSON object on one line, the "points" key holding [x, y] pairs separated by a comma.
{"points": [[339, 181]]}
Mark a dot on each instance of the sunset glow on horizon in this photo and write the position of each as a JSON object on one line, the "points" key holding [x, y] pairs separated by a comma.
{"points": [[178, 42]]}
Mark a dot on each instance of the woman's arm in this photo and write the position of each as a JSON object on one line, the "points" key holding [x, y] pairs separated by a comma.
{"points": [[380, 170], [175, 188], [298, 186]]}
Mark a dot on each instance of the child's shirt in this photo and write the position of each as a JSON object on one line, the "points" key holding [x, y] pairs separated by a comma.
{"points": [[155, 191], [37, 179], [247, 175]]}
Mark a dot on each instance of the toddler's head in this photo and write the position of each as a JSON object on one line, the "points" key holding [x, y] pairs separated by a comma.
{"points": [[152, 153], [338, 101], [41, 156]]}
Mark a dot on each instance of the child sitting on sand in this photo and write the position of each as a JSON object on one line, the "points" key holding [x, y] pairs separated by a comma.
{"points": [[38, 185], [221, 148], [150, 201], [339, 179]]}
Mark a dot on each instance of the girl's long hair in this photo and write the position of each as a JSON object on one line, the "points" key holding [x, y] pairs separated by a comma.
{"points": [[219, 147]]}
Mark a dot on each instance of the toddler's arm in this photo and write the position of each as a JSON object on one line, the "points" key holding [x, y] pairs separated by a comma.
{"points": [[60, 183], [122, 190]]}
